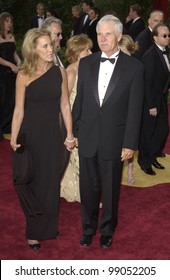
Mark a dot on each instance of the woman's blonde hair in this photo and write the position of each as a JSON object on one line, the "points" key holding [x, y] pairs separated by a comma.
{"points": [[129, 44], [75, 45], [30, 56]]}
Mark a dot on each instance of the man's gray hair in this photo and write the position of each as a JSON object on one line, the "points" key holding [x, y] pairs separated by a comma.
{"points": [[116, 23], [49, 20]]}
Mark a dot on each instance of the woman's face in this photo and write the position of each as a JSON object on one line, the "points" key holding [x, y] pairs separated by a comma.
{"points": [[8, 24], [85, 52], [44, 49]]}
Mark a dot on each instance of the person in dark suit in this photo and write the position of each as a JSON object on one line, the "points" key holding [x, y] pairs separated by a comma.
{"points": [[144, 39], [134, 23], [155, 116], [37, 20], [106, 123], [86, 6], [94, 14], [76, 20]]}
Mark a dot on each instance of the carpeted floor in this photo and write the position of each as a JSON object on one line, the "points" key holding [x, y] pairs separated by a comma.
{"points": [[143, 180], [143, 231]]}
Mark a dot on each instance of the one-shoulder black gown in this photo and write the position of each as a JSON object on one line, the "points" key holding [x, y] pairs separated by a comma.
{"points": [[41, 127]]}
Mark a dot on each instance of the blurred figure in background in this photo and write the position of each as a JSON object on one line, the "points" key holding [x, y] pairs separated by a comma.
{"points": [[37, 20], [144, 39], [128, 46], [54, 25], [86, 6], [134, 23], [94, 16], [78, 47], [155, 126], [9, 61], [50, 12], [77, 17]]}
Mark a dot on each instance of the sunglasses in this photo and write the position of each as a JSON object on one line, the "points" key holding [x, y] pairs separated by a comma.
{"points": [[165, 35], [58, 34]]}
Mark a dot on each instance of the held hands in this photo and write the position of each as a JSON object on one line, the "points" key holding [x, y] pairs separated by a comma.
{"points": [[126, 154], [70, 143]]}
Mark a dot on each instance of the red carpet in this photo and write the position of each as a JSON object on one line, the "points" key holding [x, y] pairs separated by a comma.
{"points": [[143, 231]]}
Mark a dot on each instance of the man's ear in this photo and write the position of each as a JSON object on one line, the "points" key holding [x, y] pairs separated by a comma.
{"points": [[119, 37]]}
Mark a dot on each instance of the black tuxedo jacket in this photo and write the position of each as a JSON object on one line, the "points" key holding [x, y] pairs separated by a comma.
{"points": [[91, 32], [144, 40], [156, 79], [34, 22], [84, 27], [133, 29], [116, 124]]}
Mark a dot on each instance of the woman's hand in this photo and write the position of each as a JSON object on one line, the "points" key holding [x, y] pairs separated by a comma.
{"points": [[70, 143], [14, 68], [14, 145]]}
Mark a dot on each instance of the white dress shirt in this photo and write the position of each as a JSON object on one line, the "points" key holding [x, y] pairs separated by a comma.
{"points": [[40, 21], [165, 56], [105, 72]]}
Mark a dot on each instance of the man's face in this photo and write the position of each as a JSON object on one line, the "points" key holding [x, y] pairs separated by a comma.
{"points": [[85, 7], [163, 38], [107, 38], [56, 33], [41, 11], [92, 14], [155, 19]]}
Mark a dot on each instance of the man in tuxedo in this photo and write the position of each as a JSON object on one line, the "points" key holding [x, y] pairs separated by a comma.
{"points": [[54, 25], [155, 115], [134, 23], [86, 6], [36, 21], [94, 14], [144, 39], [106, 123]]}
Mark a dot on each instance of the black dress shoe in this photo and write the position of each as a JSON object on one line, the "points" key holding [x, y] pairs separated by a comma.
{"points": [[105, 241], [156, 164], [35, 247], [86, 240], [148, 171], [161, 155]]}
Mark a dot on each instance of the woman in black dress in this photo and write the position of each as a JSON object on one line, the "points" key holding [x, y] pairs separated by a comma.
{"points": [[41, 92], [9, 60]]}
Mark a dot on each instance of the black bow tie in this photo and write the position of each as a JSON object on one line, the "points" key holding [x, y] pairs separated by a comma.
{"points": [[164, 52], [103, 59], [40, 17]]}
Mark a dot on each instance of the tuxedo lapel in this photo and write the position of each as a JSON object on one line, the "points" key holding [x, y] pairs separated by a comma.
{"points": [[95, 74], [114, 78], [162, 58]]}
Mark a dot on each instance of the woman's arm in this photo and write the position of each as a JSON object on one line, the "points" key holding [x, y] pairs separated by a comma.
{"points": [[66, 112], [19, 109], [17, 58]]}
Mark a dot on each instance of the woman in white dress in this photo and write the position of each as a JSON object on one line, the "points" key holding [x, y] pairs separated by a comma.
{"points": [[78, 47]]}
